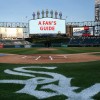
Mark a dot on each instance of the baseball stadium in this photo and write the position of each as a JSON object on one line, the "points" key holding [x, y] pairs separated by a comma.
{"points": [[61, 58]]}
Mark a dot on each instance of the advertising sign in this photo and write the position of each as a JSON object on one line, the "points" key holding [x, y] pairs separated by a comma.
{"points": [[27, 46], [1, 45], [11, 32], [83, 31], [47, 25]]}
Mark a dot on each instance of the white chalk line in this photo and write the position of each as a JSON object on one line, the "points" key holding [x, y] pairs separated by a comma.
{"points": [[50, 58], [60, 57], [38, 58]]}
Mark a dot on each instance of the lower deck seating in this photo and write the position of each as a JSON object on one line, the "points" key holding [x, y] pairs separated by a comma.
{"points": [[85, 41]]}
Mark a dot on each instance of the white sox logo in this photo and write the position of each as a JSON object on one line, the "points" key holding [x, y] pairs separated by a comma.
{"points": [[62, 88]]}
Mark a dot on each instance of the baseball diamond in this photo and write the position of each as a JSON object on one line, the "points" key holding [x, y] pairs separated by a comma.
{"points": [[48, 58]]}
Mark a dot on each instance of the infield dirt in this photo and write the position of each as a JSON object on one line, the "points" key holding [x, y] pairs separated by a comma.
{"points": [[49, 58]]}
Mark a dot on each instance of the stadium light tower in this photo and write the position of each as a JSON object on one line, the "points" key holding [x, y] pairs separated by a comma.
{"points": [[97, 10]]}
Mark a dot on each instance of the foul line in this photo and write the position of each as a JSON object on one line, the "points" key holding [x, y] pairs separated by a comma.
{"points": [[50, 57], [38, 58]]}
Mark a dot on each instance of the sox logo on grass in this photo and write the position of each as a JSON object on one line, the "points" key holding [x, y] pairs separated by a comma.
{"points": [[62, 88]]}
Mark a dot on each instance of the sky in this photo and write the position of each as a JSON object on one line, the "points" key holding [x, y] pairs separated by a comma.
{"points": [[21, 10]]}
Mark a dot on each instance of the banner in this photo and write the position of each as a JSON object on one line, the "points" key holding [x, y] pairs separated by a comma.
{"points": [[83, 31], [27, 46], [1, 45]]}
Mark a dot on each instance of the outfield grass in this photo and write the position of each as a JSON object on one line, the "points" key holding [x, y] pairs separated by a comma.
{"points": [[84, 75], [57, 51]]}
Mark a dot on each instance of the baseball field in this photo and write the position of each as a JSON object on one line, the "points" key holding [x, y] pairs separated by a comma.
{"points": [[71, 73]]}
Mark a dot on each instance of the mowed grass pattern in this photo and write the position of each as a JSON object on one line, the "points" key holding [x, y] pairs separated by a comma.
{"points": [[84, 74], [57, 51]]}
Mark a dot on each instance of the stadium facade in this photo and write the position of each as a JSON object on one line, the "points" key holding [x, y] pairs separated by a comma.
{"points": [[97, 10], [48, 29], [51, 23]]}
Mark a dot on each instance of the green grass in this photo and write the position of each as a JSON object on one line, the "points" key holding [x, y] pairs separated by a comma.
{"points": [[84, 75], [58, 51], [97, 54]]}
